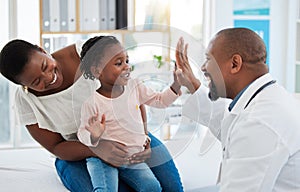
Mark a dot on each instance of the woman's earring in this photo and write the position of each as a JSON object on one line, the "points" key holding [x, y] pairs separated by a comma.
{"points": [[25, 88]]}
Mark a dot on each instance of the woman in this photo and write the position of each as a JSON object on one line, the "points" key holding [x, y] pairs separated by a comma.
{"points": [[49, 106]]}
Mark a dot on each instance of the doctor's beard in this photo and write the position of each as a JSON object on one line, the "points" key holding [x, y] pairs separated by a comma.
{"points": [[213, 95]]}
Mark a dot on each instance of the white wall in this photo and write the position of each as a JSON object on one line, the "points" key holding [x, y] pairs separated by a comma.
{"points": [[223, 14], [282, 35], [290, 69], [279, 33]]}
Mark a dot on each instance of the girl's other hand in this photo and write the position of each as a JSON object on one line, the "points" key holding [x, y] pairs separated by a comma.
{"points": [[141, 156]]}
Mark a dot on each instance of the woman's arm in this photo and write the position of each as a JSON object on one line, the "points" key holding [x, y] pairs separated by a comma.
{"points": [[112, 152], [57, 145]]}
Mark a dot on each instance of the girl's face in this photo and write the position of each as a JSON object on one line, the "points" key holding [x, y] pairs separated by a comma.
{"points": [[41, 73], [115, 66]]}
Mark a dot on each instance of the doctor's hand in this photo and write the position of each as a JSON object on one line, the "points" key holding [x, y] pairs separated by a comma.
{"points": [[184, 72], [112, 152]]}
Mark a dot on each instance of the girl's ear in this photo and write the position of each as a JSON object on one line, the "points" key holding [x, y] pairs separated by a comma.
{"points": [[236, 63], [95, 71]]}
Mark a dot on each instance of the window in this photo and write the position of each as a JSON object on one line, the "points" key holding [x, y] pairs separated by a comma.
{"points": [[4, 112], [12, 134], [5, 136]]}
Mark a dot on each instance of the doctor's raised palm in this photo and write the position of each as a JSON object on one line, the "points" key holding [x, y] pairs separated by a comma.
{"points": [[184, 71]]}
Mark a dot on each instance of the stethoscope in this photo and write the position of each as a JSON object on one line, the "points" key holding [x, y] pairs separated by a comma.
{"points": [[258, 91]]}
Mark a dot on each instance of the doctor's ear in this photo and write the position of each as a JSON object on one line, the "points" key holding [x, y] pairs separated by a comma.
{"points": [[236, 63]]}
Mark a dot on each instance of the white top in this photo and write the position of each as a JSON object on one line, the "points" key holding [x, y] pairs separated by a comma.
{"points": [[261, 148], [123, 116], [59, 112]]}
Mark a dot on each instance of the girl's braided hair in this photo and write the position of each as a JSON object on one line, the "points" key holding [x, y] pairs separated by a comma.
{"points": [[93, 51]]}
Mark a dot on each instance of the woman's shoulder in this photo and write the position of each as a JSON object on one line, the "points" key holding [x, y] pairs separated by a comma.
{"points": [[73, 49], [23, 100], [19, 93], [69, 51]]}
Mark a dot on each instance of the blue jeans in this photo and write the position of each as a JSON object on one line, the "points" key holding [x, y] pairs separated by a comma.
{"points": [[75, 177], [105, 177]]}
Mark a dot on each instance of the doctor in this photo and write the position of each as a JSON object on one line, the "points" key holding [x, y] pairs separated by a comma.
{"points": [[259, 127]]}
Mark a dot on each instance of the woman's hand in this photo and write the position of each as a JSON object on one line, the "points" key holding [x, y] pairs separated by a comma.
{"points": [[141, 156], [111, 152], [184, 72]]}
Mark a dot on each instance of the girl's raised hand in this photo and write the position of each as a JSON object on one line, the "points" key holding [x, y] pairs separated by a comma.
{"points": [[96, 127]]}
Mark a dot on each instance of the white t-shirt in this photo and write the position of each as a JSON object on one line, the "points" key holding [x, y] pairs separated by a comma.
{"points": [[59, 112]]}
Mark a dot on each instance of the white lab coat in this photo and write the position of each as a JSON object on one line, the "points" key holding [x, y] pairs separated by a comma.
{"points": [[261, 144]]}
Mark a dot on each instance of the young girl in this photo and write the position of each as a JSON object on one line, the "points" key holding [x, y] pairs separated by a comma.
{"points": [[113, 113]]}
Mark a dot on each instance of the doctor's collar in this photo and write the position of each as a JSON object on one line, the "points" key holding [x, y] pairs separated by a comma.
{"points": [[235, 100]]}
